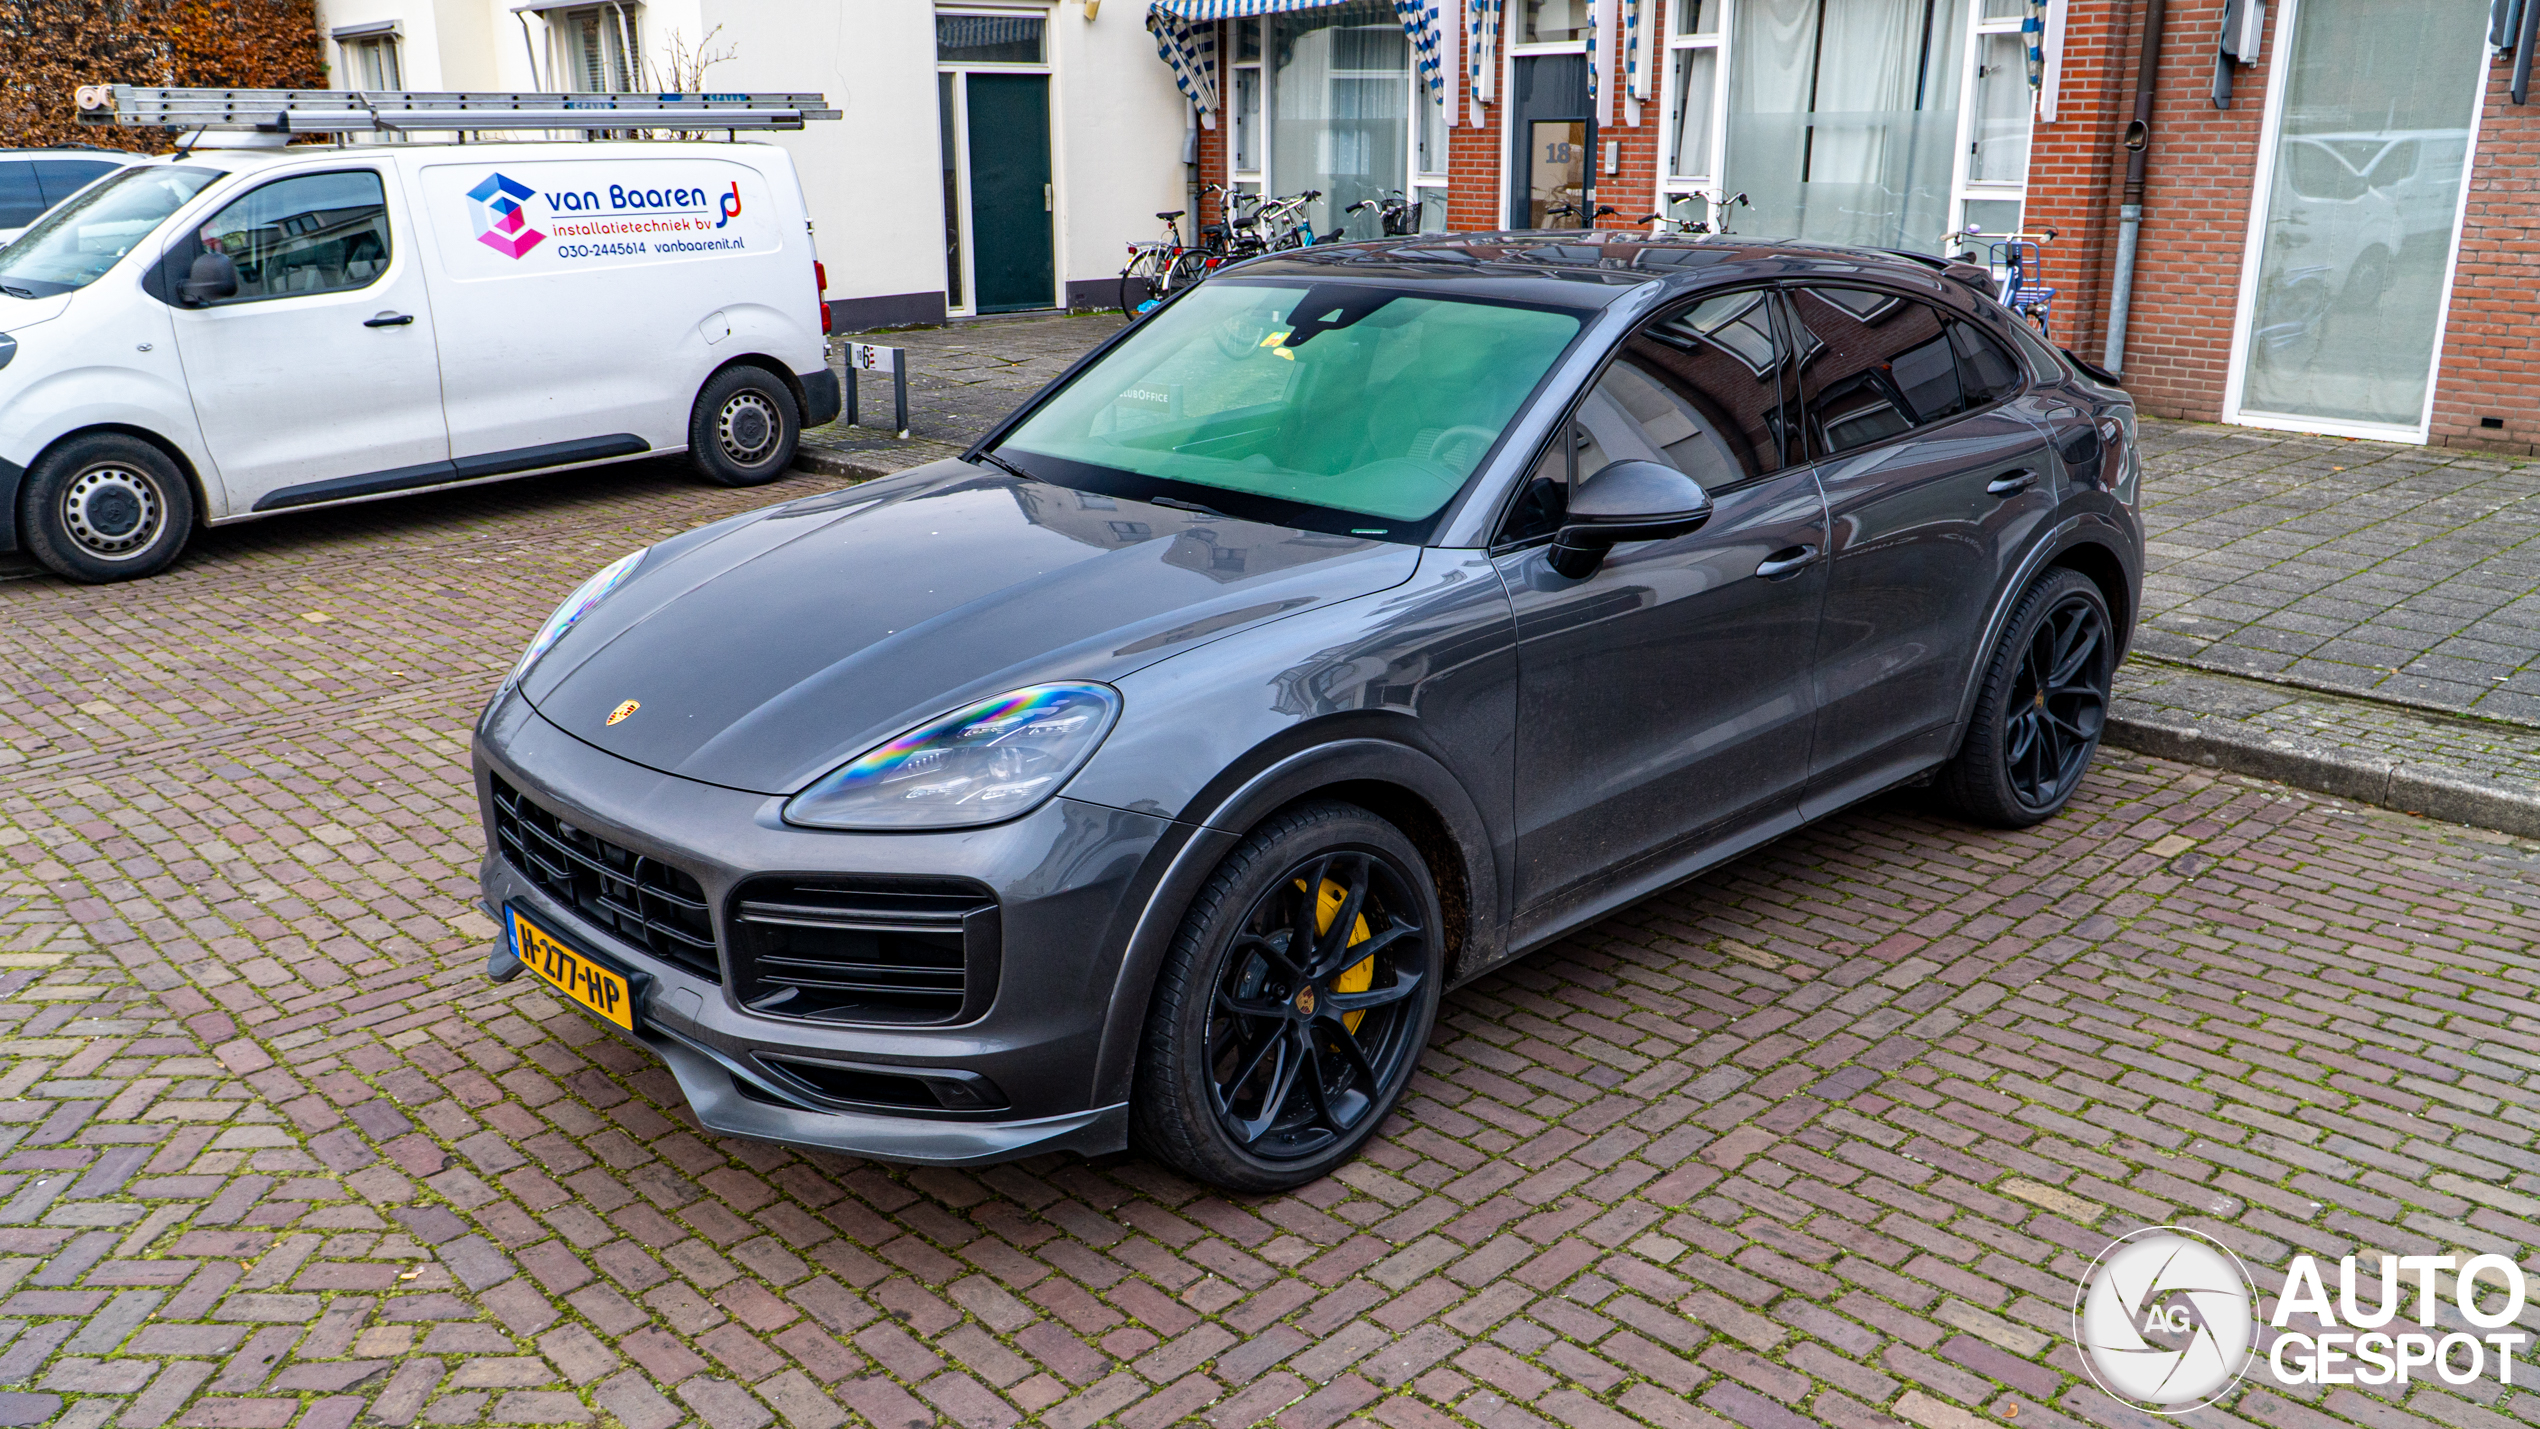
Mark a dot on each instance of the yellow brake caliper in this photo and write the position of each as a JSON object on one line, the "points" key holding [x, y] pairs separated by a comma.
{"points": [[1362, 975]]}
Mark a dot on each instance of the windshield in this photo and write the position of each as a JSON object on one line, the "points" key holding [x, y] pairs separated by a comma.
{"points": [[73, 246], [1374, 403]]}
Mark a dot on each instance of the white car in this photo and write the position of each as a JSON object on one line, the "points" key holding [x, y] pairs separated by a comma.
{"points": [[223, 334], [33, 180]]}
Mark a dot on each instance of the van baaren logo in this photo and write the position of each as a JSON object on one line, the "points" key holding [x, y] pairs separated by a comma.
{"points": [[499, 207], [2166, 1319]]}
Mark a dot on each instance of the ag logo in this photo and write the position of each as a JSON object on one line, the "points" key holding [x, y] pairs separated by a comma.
{"points": [[2165, 1319], [624, 708]]}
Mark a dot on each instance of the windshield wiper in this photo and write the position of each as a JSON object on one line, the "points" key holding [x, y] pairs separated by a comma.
{"points": [[1179, 504], [1009, 468], [16, 292]]}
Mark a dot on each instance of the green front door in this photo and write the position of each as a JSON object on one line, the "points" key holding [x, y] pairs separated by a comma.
{"points": [[1010, 196]]}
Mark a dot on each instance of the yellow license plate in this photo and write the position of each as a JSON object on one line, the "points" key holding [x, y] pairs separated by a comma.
{"points": [[572, 974]]}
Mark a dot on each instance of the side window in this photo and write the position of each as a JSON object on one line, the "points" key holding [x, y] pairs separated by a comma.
{"points": [[1872, 366], [61, 178], [1698, 388], [21, 197], [319, 233], [1987, 372]]}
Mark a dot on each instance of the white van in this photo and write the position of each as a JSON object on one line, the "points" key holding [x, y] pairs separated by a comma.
{"points": [[226, 333]]}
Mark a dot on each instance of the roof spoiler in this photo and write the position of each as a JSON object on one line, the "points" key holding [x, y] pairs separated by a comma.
{"points": [[1973, 276]]}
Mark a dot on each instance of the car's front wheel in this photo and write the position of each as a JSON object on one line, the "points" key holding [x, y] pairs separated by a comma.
{"points": [[107, 507], [2044, 702], [1294, 1003]]}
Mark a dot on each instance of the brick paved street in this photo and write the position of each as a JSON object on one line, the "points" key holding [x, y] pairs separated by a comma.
{"points": [[1824, 1137]]}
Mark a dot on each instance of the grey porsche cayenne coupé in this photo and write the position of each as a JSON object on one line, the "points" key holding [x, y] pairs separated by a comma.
{"points": [[1355, 622]]}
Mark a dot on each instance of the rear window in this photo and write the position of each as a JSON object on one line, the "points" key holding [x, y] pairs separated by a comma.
{"points": [[1374, 403]]}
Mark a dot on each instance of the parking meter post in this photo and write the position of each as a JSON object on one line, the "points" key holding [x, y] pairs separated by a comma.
{"points": [[851, 417]]}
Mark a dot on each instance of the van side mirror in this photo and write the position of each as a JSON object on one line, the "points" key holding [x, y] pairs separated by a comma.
{"points": [[1626, 501], [214, 277]]}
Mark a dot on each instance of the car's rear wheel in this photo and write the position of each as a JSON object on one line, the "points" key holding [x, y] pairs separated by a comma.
{"points": [[744, 428], [105, 508], [1294, 1004], [2043, 705]]}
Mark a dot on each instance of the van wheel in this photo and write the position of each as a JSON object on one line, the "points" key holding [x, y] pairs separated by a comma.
{"points": [[744, 428], [1294, 1003], [105, 508]]}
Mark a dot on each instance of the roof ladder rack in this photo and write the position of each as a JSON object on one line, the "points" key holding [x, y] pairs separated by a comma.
{"points": [[349, 111]]}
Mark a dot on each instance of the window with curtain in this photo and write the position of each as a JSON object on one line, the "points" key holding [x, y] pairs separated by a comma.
{"points": [[593, 50], [1340, 104], [1843, 117], [370, 62]]}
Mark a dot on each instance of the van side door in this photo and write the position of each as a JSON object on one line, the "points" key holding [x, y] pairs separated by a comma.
{"points": [[318, 379]]}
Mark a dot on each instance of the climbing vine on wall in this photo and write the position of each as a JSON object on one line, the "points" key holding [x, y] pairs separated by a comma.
{"points": [[48, 48]]}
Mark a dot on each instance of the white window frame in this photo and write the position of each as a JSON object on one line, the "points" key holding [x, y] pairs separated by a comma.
{"points": [[1962, 188], [1671, 189], [621, 38], [969, 304], [2253, 250], [381, 39], [1426, 187]]}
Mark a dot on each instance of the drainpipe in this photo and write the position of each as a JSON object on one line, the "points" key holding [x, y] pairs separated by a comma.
{"points": [[2138, 143]]}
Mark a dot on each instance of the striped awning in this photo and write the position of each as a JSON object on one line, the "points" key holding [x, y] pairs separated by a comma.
{"points": [[1186, 40]]}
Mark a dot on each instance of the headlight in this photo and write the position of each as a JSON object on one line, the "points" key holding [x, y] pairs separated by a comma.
{"points": [[575, 606], [990, 762]]}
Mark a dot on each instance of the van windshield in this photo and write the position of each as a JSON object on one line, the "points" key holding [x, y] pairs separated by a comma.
{"points": [[1372, 404], [73, 246]]}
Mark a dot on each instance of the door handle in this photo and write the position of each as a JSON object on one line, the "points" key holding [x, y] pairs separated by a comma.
{"points": [[389, 320], [2011, 483], [1786, 562]]}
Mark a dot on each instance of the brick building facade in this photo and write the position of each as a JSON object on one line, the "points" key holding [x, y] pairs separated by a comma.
{"points": [[2313, 316]]}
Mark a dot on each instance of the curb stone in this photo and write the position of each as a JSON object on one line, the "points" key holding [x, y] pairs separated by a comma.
{"points": [[2328, 769]]}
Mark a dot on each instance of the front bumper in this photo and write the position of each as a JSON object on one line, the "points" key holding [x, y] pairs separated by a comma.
{"points": [[1070, 880]]}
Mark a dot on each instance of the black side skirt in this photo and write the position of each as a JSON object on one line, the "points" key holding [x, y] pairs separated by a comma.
{"points": [[466, 468]]}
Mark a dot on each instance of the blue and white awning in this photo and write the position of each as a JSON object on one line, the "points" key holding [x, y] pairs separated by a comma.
{"points": [[1186, 40]]}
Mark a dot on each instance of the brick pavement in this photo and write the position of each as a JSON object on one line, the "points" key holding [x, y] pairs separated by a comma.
{"points": [[962, 377], [1823, 1137]]}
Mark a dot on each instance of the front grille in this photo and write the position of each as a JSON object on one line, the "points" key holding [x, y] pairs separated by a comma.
{"points": [[650, 904], [893, 950]]}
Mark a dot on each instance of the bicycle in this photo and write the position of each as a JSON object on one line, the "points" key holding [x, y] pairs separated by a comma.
{"points": [[1603, 210], [1701, 225], [1151, 266], [1396, 216], [2018, 261]]}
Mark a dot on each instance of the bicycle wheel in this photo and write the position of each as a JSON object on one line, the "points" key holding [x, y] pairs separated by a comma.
{"points": [[1186, 270], [1139, 281]]}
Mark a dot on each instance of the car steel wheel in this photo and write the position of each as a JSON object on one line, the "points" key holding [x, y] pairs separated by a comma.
{"points": [[1310, 1027], [2059, 701], [112, 512], [747, 428]]}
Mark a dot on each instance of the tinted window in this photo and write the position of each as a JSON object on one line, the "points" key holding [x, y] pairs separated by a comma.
{"points": [[1987, 372], [320, 233], [1872, 366], [63, 177], [1697, 388], [21, 198]]}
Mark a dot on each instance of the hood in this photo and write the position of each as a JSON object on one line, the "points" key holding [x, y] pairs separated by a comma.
{"points": [[766, 651], [19, 314]]}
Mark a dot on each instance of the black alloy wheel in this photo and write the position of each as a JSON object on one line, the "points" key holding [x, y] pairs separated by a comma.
{"points": [[1295, 1004], [2044, 703]]}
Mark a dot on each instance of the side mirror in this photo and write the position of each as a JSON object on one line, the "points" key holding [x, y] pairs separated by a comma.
{"points": [[214, 277], [1626, 501]]}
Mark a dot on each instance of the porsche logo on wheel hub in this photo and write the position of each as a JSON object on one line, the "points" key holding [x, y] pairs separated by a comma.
{"points": [[1305, 1001], [624, 708]]}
